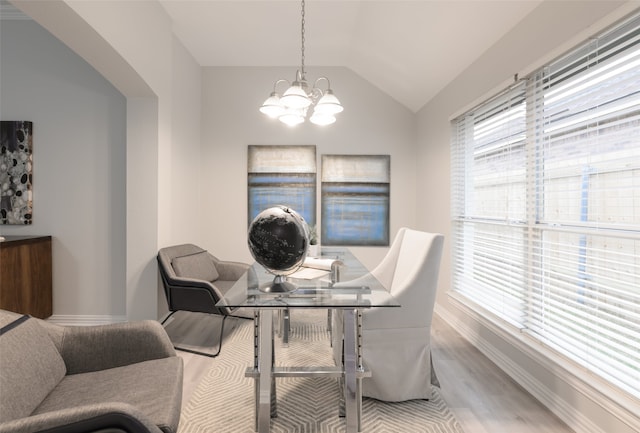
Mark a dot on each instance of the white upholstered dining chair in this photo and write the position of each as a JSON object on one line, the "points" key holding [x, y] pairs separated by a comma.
{"points": [[396, 343]]}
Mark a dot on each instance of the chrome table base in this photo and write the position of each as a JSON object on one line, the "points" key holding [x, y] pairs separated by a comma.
{"points": [[264, 372]]}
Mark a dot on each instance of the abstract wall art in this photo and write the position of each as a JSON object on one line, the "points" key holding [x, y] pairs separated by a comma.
{"points": [[355, 200], [16, 172], [282, 175]]}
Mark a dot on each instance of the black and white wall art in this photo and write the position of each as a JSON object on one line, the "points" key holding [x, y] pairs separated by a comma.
{"points": [[16, 172]]}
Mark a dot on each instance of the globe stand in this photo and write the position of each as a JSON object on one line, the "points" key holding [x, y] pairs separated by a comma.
{"points": [[279, 285]]}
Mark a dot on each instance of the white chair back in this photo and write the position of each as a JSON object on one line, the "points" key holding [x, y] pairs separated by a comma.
{"points": [[410, 272]]}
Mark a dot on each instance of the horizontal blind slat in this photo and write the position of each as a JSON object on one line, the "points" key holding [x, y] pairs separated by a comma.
{"points": [[546, 205]]}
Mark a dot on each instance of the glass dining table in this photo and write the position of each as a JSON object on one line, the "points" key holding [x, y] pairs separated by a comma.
{"points": [[346, 286]]}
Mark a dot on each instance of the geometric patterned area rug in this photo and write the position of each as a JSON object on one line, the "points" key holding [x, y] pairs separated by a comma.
{"points": [[223, 401]]}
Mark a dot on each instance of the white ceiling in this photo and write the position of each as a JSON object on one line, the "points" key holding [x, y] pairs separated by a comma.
{"points": [[408, 49]]}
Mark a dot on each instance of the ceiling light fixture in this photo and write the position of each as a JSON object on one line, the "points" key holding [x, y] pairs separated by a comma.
{"points": [[292, 107]]}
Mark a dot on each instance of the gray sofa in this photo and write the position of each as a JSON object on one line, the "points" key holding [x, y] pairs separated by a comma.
{"points": [[112, 378]]}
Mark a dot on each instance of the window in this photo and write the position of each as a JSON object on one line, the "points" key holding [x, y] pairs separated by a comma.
{"points": [[546, 205]]}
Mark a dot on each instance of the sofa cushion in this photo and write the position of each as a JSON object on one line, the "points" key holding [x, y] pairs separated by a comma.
{"points": [[30, 366], [153, 387], [198, 266]]}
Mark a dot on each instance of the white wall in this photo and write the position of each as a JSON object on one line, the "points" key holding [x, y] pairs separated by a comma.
{"points": [[131, 44], [195, 181], [140, 33], [159, 183], [371, 123], [550, 30], [79, 165], [180, 174]]}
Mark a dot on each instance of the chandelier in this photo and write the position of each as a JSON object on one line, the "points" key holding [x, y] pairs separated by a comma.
{"points": [[293, 106]]}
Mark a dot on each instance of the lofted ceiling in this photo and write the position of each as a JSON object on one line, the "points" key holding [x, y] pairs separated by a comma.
{"points": [[408, 49]]}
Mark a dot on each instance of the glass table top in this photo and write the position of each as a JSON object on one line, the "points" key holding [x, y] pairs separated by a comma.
{"points": [[313, 287]]}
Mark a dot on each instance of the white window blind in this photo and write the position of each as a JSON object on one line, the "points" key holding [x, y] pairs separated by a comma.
{"points": [[546, 205], [489, 191]]}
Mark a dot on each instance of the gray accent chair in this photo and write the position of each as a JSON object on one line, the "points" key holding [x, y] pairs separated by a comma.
{"points": [[123, 377], [195, 280]]}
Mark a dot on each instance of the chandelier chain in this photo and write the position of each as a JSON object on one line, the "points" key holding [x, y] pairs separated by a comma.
{"points": [[302, 34], [296, 102]]}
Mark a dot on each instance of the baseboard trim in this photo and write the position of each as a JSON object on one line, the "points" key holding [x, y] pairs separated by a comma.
{"points": [[570, 414], [84, 320]]}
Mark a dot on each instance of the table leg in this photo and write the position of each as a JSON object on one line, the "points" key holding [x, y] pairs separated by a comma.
{"points": [[264, 382], [256, 357], [350, 368], [285, 323], [359, 367]]}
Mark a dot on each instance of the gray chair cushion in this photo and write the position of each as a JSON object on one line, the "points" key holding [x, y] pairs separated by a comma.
{"points": [[119, 377], [41, 368], [91, 348], [198, 266], [136, 385]]}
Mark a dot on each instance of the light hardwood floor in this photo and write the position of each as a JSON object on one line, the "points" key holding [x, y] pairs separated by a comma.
{"points": [[482, 397]]}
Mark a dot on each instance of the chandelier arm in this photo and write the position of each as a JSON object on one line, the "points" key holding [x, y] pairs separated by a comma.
{"points": [[282, 80], [315, 94], [315, 84]]}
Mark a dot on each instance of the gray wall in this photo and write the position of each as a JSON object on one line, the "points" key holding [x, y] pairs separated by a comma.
{"points": [[79, 165], [372, 123], [585, 402], [201, 184]]}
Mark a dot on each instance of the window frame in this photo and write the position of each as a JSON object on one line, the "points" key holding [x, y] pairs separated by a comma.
{"points": [[536, 227]]}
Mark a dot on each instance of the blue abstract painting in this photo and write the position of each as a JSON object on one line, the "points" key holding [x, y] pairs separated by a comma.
{"points": [[355, 200], [282, 175]]}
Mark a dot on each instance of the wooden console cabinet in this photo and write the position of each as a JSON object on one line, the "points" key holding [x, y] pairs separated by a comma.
{"points": [[26, 275]]}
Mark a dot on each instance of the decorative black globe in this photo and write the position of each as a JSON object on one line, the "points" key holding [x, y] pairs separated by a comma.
{"points": [[278, 239]]}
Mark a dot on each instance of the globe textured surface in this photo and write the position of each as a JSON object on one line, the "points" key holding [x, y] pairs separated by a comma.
{"points": [[278, 240]]}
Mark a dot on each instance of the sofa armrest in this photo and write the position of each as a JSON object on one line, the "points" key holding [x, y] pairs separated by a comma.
{"points": [[93, 348], [117, 417]]}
